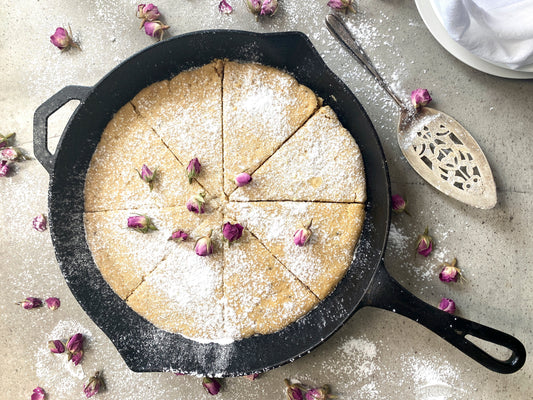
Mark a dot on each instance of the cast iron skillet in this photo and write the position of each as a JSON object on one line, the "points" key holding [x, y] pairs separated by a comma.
{"points": [[367, 283]]}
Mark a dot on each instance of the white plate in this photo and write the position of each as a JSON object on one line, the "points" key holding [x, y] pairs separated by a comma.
{"points": [[437, 29]]}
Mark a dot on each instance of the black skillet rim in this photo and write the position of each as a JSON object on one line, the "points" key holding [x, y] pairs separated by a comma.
{"points": [[146, 348]]}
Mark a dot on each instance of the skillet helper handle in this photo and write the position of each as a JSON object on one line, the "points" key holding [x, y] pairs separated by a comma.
{"points": [[386, 293], [40, 121]]}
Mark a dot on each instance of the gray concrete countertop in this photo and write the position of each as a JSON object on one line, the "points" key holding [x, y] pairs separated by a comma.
{"points": [[377, 354]]}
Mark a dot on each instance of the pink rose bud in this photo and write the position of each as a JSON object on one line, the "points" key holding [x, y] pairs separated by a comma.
{"points": [[243, 179], [211, 385], [56, 346], [269, 7], [318, 393], [38, 394], [75, 343], [450, 272], [342, 5], [30, 302], [10, 153], [75, 357], [155, 29], [398, 203], [294, 391], [424, 245], [94, 385], [63, 39], [147, 12], [447, 305], [53, 303], [204, 246], [141, 223], [420, 98], [251, 377], [254, 6], [302, 235], [193, 169], [224, 7], [147, 175], [196, 203], [232, 232], [39, 223], [4, 168], [178, 236]]}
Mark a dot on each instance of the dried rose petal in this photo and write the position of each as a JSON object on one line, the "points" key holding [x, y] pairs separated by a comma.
{"points": [[196, 203], [155, 29], [4, 168], [39, 223], [294, 391], [53, 303], [342, 5], [147, 175], [211, 385], [269, 7], [302, 235], [450, 272], [141, 223], [94, 385], [204, 245], [232, 232], [225, 8], [63, 39], [251, 377], [398, 203], [424, 245], [420, 98], [56, 346], [447, 305], [178, 236], [38, 394], [30, 302], [243, 179], [193, 169]]}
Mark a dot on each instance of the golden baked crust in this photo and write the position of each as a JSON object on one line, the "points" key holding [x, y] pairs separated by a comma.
{"points": [[263, 106], [320, 162]]}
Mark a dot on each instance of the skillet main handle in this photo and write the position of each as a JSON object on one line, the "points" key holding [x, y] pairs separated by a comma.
{"points": [[386, 293], [40, 121]]}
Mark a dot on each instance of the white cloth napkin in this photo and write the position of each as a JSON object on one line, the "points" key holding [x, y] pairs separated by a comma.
{"points": [[499, 31]]}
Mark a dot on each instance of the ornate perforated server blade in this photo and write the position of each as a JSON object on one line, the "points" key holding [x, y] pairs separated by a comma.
{"points": [[447, 156]]}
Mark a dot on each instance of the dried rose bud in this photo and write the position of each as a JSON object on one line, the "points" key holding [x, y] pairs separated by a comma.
{"points": [[398, 203], [39, 223], [251, 377], [424, 246], [4, 168], [450, 272], [155, 29], [56, 346], [196, 203], [343, 5], [75, 343], [420, 98], [94, 385], [319, 393], [447, 305], [211, 385], [30, 302], [63, 39], [10, 153], [243, 179], [204, 245], [141, 223], [269, 7], [38, 394], [178, 236], [53, 303], [302, 235], [147, 12], [294, 391], [193, 169], [75, 357], [147, 175], [4, 140], [224, 7], [232, 232], [254, 6]]}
